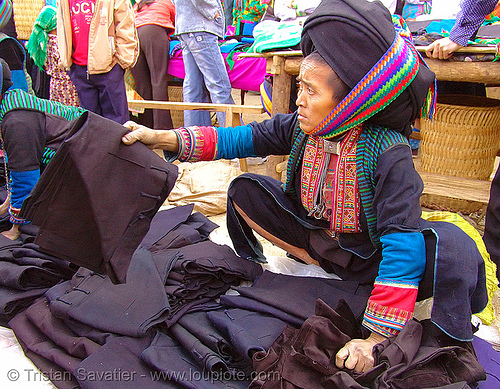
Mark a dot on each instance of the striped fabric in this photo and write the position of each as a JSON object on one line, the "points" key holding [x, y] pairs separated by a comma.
{"points": [[388, 320], [47, 155], [19, 99], [388, 78], [192, 145], [5, 12], [372, 142]]}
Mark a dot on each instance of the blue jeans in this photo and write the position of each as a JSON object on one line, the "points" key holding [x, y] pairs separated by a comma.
{"points": [[205, 70]]}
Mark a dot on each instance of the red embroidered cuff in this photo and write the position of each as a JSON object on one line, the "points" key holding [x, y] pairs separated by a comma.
{"points": [[196, 143]]}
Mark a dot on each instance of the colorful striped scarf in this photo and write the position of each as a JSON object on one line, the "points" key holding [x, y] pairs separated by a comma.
{"points": [[19, 99], [387, 79]]}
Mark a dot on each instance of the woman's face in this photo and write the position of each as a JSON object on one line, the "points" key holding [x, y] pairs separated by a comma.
{"points": [[315, 96]]}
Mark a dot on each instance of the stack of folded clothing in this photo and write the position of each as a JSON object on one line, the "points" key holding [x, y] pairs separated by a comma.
{"points": [[77, 327], [26, 273], [205, 271]]}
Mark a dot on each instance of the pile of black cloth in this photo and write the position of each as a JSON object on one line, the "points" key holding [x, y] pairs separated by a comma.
{"points": [[26, 273], [421, 356], [85, 319]]}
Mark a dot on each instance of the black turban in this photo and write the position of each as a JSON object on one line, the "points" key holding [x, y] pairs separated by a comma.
{"points": [[352, 35]]}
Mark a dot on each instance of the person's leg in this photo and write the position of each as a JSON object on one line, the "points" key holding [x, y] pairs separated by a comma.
{"points": [[193, 87], [112, 94], [258, 203], [213, 68], [143, 80], [297, 252], [155, 48], [209, 60], [228, 12], [87, 92]]}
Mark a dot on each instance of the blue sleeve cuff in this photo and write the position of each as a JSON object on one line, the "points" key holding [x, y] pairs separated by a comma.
{"points": [[234, 142], [22, 184], [403, 257]]}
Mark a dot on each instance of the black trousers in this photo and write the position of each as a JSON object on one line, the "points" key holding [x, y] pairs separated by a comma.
{"points": [[297, 295], [96, 198], [126, 309], [151, 74]]}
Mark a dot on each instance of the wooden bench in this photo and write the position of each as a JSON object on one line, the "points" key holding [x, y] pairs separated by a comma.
{"points": [[233, 112]]}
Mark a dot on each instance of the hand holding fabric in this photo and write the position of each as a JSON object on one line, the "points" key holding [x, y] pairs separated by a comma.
{"points": [[442, 48], [357, 354]]}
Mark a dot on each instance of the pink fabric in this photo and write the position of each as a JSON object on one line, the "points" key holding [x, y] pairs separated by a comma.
{"points": [[81, 12], [247, 73]]}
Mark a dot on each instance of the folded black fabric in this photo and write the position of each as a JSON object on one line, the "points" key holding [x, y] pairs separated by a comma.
{"points": [[40, 344], [182, 308], [166, 355], [58, 331], [27, 277], [248, 332], [197, 228], [13, 301], [297, 295], [237, 301], [65, 268], [206, 358], [29, 253], [7, 244], [198, 324], [117, 364], [207, 256], [164, 222], [126, 309], [61, 378], [95, 167], [204, 271]]}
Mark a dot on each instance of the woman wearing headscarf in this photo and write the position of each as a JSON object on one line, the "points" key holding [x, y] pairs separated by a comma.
{"points": [[42, 47], [351, 198]]}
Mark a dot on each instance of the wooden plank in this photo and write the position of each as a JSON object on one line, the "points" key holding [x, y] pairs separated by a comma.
{"points": [[174, 105], [481, 72], [491, 49], [454, 193], [282, 85]]}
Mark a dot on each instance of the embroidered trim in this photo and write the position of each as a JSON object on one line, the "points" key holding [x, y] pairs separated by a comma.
{"points": [[385, 320], [14, 216], [346, 204]]}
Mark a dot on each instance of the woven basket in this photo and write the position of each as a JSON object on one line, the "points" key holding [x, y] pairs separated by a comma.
{"points": [[25, 14], [175, 94], [464, 137]]}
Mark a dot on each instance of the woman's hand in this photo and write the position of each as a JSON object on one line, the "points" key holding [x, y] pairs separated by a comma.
{"points": [[139, 133], [442, 48], [357, 354], [154, 139]]}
